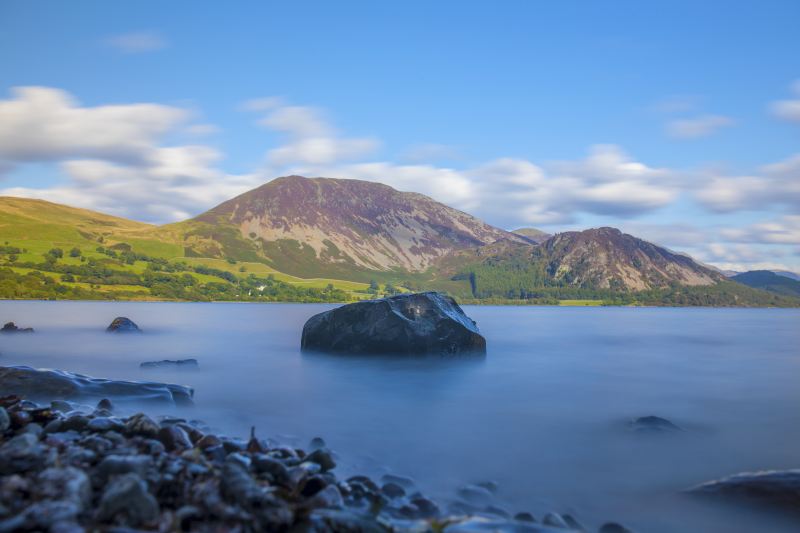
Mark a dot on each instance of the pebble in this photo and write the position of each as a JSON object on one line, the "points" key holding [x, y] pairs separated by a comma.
{"points": [[126, 497]]}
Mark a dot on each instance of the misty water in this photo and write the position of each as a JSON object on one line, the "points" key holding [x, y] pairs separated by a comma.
{"points": [[543, 414]]}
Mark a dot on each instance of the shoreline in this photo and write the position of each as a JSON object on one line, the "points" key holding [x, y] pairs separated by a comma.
{"points": [[70, 467]]}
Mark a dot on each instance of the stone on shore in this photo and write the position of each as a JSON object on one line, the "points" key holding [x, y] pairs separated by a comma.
{"points": [[59, 385], [123, 324], [422, 323]]}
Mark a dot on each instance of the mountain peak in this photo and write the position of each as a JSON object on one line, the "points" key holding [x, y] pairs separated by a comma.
{"points": [[606, 257], [351, 222]]}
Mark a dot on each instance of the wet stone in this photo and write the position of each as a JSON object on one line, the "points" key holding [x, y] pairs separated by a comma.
{"points": [[126, 497], [323, 458]]}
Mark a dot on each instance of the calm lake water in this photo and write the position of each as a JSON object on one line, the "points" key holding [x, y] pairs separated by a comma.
{"points": [[543, 415]]}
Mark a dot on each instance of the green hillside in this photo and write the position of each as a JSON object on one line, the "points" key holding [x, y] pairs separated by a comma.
{"points": [[50, 250], [769, 281]]}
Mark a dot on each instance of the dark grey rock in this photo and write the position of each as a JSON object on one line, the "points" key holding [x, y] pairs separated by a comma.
{"points": [[324, 520], [123, 324], [405, 482], [23, 453], [126, 497], [115, 465], [613, 527], [393, 490], [177, 363], [555, 520], [57, 384], [475, 494], [775, 487], [422, 323], [102, 423], [10, 327], [329, 498], [5, 420], [653, 424], [174, 438], [143, 425], [65, 483], [238, 486], [524, 517], [323, 457]]}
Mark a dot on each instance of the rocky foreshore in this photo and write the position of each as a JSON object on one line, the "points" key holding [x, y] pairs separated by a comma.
{"points": [[70, 468]]}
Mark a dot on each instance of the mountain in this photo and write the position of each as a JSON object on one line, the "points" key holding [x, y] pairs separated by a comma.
{"points": [[606, 258], [322, 224], [534, 235], [787, 274], [769, 281], [321, 239]]}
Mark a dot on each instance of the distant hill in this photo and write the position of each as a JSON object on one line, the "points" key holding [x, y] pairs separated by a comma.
{"points": [[769, 281], [534, 235], [787, 274], [322, 239]]}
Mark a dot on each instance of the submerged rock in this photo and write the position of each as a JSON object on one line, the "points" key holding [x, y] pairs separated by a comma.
{"points": [[653, 424], [61, 385], [773, 487], [423, 323], [180, 363], [123, 324], [10, 327]]}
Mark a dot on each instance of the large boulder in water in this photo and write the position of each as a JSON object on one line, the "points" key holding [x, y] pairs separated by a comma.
{"points": [[123, 324], [423, 323], [773, 487], [51, 385]]}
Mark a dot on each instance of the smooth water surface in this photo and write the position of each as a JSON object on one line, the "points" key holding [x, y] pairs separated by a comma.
{"points": [[544, 414]]}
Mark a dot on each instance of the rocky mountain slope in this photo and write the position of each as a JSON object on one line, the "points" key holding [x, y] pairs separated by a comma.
{"points": [[606, 258], [352, 223]]}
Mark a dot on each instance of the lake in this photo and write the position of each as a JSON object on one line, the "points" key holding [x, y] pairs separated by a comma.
{"points": [[543, 414]]}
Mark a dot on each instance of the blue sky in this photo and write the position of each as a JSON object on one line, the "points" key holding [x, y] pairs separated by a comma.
{"points": [[676, 122]]}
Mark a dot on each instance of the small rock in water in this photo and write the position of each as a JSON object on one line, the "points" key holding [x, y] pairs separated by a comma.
{"points": [[393, 490], [105, 404], [475, 495], [613, 527], [524, 517], [178, 363], [652, 424], [780, 488], [10, 327], [317, 443], [123, 324], [405, 482], [555, 520]]}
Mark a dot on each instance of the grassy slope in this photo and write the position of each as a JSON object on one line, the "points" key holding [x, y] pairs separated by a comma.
{"points": [[38, 226]]}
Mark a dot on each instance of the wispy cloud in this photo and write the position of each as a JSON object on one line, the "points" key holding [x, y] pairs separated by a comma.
{"points": [[697, 127], [788, 110], [138, 42]]}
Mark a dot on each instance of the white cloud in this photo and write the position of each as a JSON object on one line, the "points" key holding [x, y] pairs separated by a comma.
{"points": [[114, 158], [310, 139], [788, 110], [785, 230], [777, 184], [696, 127], [46, 124], [138, 42]]}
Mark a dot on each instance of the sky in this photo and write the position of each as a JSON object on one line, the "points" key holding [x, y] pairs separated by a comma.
{"points": [[678, 122]]}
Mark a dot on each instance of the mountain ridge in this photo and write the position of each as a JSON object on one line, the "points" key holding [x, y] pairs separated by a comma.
{"points": [[350, 233]]}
